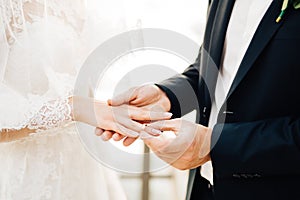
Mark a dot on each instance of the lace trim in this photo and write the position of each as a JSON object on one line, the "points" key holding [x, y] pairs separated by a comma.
{"points": [[52, 115], [14, 127]]}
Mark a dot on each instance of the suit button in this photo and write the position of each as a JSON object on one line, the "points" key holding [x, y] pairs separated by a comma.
{"points": [[204, 112]]}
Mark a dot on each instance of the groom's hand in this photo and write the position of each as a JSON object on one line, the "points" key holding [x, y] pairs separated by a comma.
{"points": [[145, 96], [148, 96], [188, 149]]}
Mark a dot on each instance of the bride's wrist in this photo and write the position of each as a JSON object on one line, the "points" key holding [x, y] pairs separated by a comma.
{"points": [[83, 109], [76, 103]]}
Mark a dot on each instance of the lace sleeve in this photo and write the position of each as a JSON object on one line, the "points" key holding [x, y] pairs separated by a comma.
{"points": [[32, 112], [37, 117], [52, 114], [18, 125], [31, 63]]}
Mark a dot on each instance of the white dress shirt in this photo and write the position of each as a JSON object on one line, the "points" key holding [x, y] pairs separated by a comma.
{"points": [[245, 18]]}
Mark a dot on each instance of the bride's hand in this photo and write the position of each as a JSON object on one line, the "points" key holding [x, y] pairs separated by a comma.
{"points": [[121, 119]]}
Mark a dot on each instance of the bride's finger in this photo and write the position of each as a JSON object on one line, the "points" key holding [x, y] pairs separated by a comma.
{"points": [[152, 131], [117, 137], [138, 127], [128, 141], [107, 135], [143, 114], [99, 131], [126, 132]]}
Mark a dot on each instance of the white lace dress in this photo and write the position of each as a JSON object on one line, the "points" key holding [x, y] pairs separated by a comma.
{"points": [[42, 45]]}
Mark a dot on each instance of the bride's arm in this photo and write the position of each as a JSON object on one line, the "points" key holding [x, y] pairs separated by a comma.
{"points": [[121, 119], [124, 119], [52, 114]]}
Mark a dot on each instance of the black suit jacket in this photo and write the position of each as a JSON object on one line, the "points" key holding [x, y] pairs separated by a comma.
{"points": [[256, 142]]}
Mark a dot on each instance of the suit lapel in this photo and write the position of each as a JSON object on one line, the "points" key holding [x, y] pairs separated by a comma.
{"points": [[263, 35]]}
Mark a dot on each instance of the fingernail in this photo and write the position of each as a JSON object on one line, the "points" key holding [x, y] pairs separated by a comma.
{"points": [[168, 114], [98, 132], [134, 134], [155, 131], [104, 137], [115, 136]]}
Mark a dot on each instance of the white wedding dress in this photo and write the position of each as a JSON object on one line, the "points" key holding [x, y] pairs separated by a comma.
{"points": [[43, 43]]}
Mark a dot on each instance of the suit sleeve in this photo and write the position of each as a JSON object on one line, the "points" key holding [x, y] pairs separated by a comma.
{"points": [[265, 148], [182, 90]]}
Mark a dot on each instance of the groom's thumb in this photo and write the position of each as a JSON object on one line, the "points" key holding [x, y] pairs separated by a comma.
{"points": [[153, 142], [123, 98], [117, 101]]}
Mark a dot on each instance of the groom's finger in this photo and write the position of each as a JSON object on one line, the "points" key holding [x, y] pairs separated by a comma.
{"points": [[156, 144], [138, 127], [123, 98], [165, 125]]}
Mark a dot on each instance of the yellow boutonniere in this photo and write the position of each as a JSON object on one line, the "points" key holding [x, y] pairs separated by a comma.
{"points": [[285, 5]]}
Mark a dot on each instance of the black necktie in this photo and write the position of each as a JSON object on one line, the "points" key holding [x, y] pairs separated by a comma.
{"points": [[212, 50]]}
